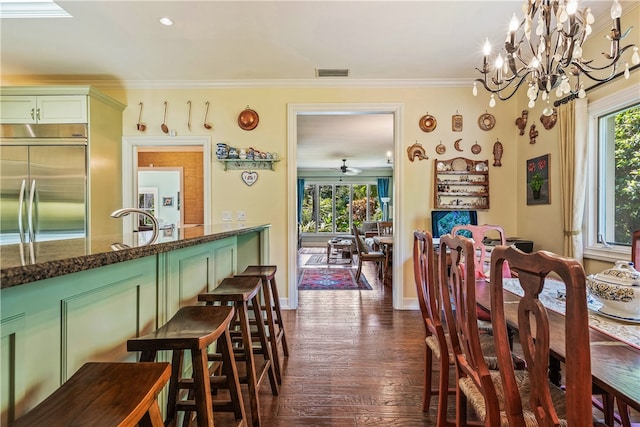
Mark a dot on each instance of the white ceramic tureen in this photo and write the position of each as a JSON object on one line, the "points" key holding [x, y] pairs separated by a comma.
{"points": [[618, 289]]}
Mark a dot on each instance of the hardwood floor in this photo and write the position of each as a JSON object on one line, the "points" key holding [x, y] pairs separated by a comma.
{"points": [[354, 361]]}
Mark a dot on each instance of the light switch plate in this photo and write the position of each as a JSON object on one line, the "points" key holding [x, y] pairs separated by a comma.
{"points": [[226, 216], [241, 215]]}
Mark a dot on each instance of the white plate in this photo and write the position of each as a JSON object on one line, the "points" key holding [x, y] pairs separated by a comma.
{"points": [[613, 316]]}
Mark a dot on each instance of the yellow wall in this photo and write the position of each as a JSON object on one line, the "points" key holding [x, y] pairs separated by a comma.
{"points": [[266, 200]]}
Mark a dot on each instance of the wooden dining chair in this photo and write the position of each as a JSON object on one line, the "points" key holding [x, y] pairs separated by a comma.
{"points": [[544, 404], [385, 228], [474, 380], [364, 254], [478, 234], [473, 347], [436, 346]]}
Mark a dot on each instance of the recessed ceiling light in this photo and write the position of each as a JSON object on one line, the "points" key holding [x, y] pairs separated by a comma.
{"points": [[31, 9], [166, 21]]}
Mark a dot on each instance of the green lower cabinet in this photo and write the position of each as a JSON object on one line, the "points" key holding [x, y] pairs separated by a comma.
{"points": [[191, 271], [52, 327]]}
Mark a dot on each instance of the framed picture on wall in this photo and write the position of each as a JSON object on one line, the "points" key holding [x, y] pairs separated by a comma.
{"points": [[538, 185], [167, 201]]}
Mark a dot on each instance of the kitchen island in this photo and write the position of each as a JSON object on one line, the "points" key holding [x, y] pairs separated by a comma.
{"points": [[72, 301]]}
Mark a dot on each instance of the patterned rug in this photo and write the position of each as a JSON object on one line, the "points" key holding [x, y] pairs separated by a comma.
{"points": [[331, 279]]}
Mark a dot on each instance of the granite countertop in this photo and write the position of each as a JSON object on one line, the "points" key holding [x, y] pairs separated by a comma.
{"points": [[57, 258]]}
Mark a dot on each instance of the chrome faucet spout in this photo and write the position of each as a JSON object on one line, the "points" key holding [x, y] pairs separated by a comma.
{"points": [[154, 222]]}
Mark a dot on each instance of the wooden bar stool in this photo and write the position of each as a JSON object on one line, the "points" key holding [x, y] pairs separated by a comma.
{"points": [[267, 274], [242, 291], [104, 394], [194, 328]]}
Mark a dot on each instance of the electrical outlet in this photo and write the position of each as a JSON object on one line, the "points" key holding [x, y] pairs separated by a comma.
{"points": [[241, 215], [226, 216]]}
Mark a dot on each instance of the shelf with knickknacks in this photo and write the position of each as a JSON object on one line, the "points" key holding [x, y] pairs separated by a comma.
{"points": [[461, 183], [245, 159]]}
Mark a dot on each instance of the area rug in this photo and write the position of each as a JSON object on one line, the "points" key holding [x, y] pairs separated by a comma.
{"points": [[331, 279]]}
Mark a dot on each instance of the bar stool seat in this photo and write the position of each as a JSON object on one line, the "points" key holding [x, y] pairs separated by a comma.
{"points": [[104, 394], [242, 292], [271, 307], [194, 328]]}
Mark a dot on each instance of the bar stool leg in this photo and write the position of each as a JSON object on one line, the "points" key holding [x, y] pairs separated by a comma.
{"points": [[271, 327], [202, 387], [278, 314], [231, 372], [245, 331], [262, 335]]}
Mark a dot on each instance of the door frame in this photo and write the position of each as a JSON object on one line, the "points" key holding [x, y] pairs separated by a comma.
{"points": [[293, 110], [130, 146]]}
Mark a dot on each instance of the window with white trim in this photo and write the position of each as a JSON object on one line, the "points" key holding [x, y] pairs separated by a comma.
{"points": [[613, 191]]}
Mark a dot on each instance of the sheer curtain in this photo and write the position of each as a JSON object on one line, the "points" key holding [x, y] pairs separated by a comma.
{"points": [[573, 124]]}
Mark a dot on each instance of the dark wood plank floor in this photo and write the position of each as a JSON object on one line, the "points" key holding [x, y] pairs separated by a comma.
{"points": [[354, 361]]}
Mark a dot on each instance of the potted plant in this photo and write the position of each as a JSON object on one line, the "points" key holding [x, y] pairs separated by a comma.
{"points": [[536, 184]]}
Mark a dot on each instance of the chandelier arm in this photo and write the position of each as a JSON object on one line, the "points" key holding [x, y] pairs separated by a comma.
{"points": [[498, 91], [573, 96], [587, 68]]}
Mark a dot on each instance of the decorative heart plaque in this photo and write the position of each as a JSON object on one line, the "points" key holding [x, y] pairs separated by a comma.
{"points": [[249, 178]]}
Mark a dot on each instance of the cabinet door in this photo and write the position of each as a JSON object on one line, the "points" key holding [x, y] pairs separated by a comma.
{"points": [[62, 109], [17, 109]]}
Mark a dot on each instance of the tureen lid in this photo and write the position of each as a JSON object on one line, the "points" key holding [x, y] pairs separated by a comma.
{"points": [[622, 273]]}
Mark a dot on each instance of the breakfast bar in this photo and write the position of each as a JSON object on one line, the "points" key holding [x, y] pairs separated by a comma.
{"points": [[69, 302]]}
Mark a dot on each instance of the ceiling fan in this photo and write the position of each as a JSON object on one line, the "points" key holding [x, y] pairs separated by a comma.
{"points": [[348, 170]]}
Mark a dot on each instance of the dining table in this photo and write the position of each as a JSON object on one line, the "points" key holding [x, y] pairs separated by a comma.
{"points": [[614, 344], [385, 242]]}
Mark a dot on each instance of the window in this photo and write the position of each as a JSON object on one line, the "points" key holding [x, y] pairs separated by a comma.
{"points": [[613, 204], [333, 208]]}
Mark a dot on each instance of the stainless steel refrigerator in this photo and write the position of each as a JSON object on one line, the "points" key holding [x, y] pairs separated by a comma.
{"points": [[43, 182]]}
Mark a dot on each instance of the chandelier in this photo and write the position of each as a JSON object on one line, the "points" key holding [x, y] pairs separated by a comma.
{"points": [[544, 49]]}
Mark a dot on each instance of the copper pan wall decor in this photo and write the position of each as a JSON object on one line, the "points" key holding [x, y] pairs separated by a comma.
{"points": [[486, 121], [427, 123], [417, 150], [549, 121], [456, 122], [248, 119], [521, 121], [533, 134], [497, 153]]}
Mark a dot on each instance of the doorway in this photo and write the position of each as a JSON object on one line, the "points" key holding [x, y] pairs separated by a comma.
{"points": [[294, 110], [139, 146], [161, 189]]}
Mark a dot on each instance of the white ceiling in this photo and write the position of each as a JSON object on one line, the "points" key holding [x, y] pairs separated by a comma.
{"points": [[254, 43]]}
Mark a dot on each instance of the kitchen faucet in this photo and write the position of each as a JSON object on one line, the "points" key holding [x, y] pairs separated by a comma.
{"points": [[126, 211]]}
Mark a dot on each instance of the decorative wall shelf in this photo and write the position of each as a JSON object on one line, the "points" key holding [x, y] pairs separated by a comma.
{"points": [[461, 183], [243, 164]]}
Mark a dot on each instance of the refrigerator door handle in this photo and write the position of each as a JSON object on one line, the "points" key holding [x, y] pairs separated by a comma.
{"points": [[30, 212], [23, 190]]}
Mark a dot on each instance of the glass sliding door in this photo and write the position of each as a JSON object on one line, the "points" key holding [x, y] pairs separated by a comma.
{"points": [[325, 213]]}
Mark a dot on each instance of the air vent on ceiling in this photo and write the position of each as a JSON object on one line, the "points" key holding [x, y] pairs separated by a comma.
{"points": [[332, 72]]}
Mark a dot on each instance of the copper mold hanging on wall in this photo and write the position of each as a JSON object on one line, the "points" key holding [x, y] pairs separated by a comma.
{"points": [[248, 119]]}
